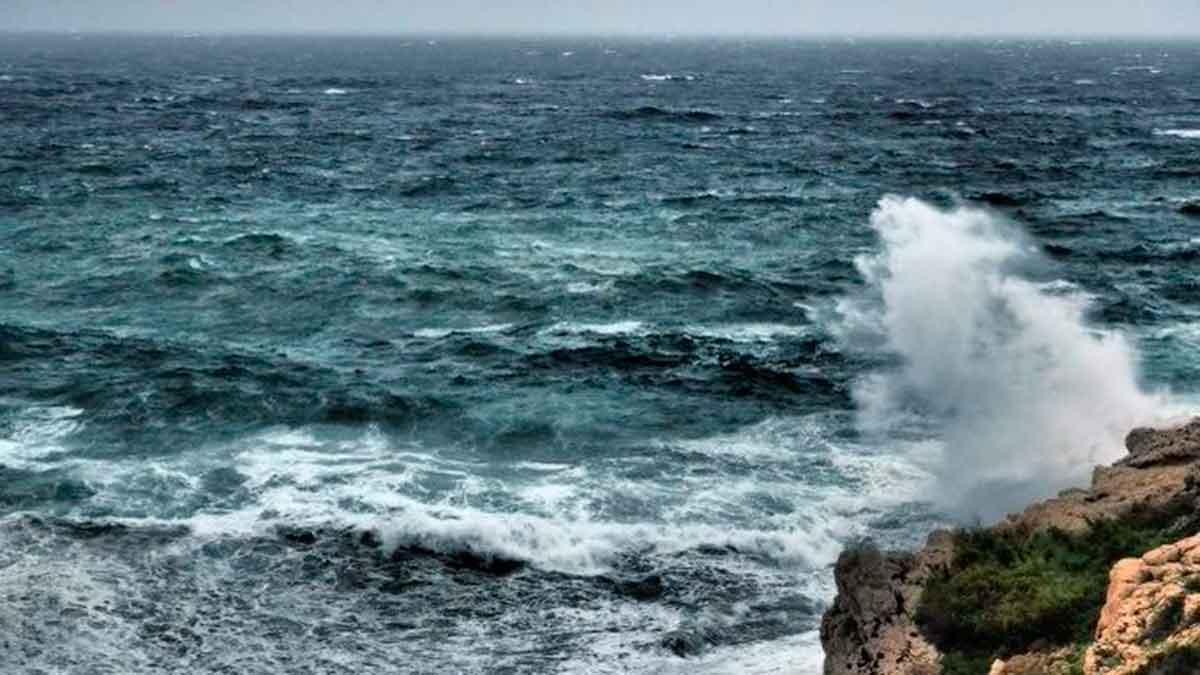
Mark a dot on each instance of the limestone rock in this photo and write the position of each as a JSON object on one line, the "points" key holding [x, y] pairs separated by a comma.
{"points": [[871, 630], [1161, 472], [1150, 624], [1116, 492], [1149, 447]]}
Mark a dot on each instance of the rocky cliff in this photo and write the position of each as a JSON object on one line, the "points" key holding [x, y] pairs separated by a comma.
{"points": [[1101, 581]]}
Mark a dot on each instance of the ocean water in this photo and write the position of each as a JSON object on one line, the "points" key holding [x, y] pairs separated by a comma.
{"points": [[330, 355]]}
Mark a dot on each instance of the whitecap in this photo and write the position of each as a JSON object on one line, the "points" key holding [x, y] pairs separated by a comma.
{"points": [[748, 332], [542, 466], [1184, 331], [1190, 134], [628, 327], [773, 439], [668, 77], [334, 91], [438, 333], [585, 287], [38, 433]]}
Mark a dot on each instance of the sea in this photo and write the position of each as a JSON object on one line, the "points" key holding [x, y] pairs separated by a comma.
{"points": [[557, 355]]}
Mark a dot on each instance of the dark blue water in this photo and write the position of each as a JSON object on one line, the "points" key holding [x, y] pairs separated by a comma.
{"points": [[396, 355]]}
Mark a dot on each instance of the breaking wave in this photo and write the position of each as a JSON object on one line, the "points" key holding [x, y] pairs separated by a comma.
{"points": [[1025, 396]]}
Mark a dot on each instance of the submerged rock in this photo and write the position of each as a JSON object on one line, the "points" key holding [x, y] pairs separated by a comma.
{"points": [[684, 643], [648, 588]]}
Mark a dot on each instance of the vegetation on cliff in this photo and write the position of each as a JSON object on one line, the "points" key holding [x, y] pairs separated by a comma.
{"points": [[1009, 592], [1103, 581]]}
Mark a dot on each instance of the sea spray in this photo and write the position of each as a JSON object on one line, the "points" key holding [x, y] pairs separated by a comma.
{"points": [[1024, 396]]}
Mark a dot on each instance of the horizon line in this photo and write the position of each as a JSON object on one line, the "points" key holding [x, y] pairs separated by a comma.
{"points": [[665, 35]]}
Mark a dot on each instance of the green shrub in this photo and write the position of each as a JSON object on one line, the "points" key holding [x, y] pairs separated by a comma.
{"points": [[957, 663], [1004, 591]]}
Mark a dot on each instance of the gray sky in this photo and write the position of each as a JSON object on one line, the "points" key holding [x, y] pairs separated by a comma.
{"points": [[932, 17]]}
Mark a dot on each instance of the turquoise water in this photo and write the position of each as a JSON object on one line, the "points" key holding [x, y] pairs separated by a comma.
{"points": [[387, 355]]}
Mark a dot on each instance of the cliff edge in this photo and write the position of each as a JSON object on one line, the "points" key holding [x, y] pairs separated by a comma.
{"points": [[1074, 584]]}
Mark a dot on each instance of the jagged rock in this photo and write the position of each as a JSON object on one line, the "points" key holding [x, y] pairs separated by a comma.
{"points": [[1150, 624], [1159, 473], [1116, 492], [871, 629], [1150, 447]]}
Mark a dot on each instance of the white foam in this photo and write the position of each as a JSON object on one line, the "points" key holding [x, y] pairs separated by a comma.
{"points": [[614, 260], [1188, 332], [773, 439], [573, 546], [580, 517], [552, 515], [38, 433], [749, 332], [628, 327], [793, 655], [1178, 133], [653, 77], [542, 466], [438, 333], [587, 288], [1023, 393], [1153, 70]]}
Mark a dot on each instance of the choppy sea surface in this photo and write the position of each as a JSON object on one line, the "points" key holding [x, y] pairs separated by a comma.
{"points": [[324, 355]]}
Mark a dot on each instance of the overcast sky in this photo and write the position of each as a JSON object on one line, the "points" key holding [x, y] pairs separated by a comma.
{"points": [[929, 17]]}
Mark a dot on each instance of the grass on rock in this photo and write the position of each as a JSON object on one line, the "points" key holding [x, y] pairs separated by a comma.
{"points": [[1008, 593]]}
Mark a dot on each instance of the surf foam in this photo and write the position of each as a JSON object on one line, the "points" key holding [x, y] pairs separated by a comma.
{"points": [[1025, 396], [1190, 134]]}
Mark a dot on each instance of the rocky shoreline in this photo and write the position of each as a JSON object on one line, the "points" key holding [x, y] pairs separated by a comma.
{"points": [[1096, 581]]}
